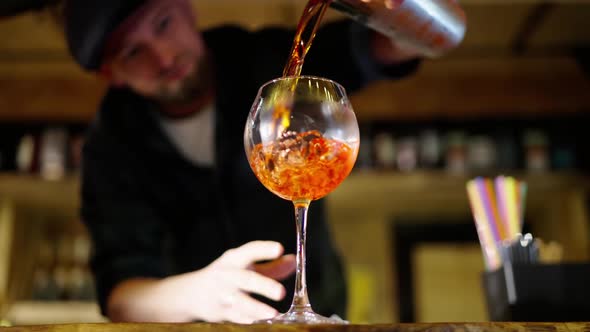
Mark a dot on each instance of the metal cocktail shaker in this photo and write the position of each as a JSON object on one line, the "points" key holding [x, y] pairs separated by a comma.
{"points": [[431, 27]]}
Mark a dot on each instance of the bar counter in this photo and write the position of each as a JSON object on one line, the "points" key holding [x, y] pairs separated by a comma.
{"points": [[430, 327]]}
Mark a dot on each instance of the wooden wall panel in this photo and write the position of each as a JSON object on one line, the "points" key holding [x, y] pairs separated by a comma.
{"points": [[441, 88], [479, 87], [47, 92], [49, 100]]}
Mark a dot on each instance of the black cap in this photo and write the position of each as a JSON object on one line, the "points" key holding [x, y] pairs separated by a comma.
{"points": [[15, 7], [88, 24]]}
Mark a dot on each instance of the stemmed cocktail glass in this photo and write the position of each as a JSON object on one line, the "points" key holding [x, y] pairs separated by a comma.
{"points": [[302, 140]]}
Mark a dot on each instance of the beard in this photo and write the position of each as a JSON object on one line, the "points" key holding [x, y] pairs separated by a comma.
{"points": [[198, 83]]}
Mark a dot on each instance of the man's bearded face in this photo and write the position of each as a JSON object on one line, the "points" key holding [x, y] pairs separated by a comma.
{"points": [[161, 55]]}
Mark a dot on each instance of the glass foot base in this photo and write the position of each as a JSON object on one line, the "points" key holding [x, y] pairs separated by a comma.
{"points": [[302, 317]]}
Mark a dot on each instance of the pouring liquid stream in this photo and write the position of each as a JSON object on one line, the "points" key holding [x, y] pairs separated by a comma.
{"points": [[304, 35]]}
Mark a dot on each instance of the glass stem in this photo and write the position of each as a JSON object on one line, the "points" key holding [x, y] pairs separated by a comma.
{"points": [[300, 298]]}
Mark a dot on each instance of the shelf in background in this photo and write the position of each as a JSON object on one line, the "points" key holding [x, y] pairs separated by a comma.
{"points": [[32, 191], [380, 189], [63, 194]]}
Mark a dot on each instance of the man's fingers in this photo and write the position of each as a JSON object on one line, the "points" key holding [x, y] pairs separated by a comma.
{"points": [[253, 282], [252, 252], [254, 310], [278, 269]]}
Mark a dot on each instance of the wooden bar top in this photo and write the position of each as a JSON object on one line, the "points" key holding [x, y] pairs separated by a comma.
{"points": [[430, 327]]}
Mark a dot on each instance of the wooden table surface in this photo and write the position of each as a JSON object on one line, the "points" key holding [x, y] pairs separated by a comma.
{"points": [[434, 327]]}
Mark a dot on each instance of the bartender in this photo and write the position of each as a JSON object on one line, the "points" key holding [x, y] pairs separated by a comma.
{"points": [[178, 220]]}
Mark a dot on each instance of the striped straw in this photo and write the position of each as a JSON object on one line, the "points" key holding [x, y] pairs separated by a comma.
{"points": [[487, 208], [500, 186], [496, 217], [490, 251]]}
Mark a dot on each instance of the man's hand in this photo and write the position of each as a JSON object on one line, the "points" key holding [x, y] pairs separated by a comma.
{"points": [[224, 284], [219, 292]]}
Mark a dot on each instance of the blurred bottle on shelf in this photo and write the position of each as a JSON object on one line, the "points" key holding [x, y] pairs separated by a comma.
{"points": [[44, 287], [384, 150], [52, 154], [365, 157], [507, 151], [536, 150], [429, 149], [407, 154], [481, 153], [25, 154], [455, 153]]}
